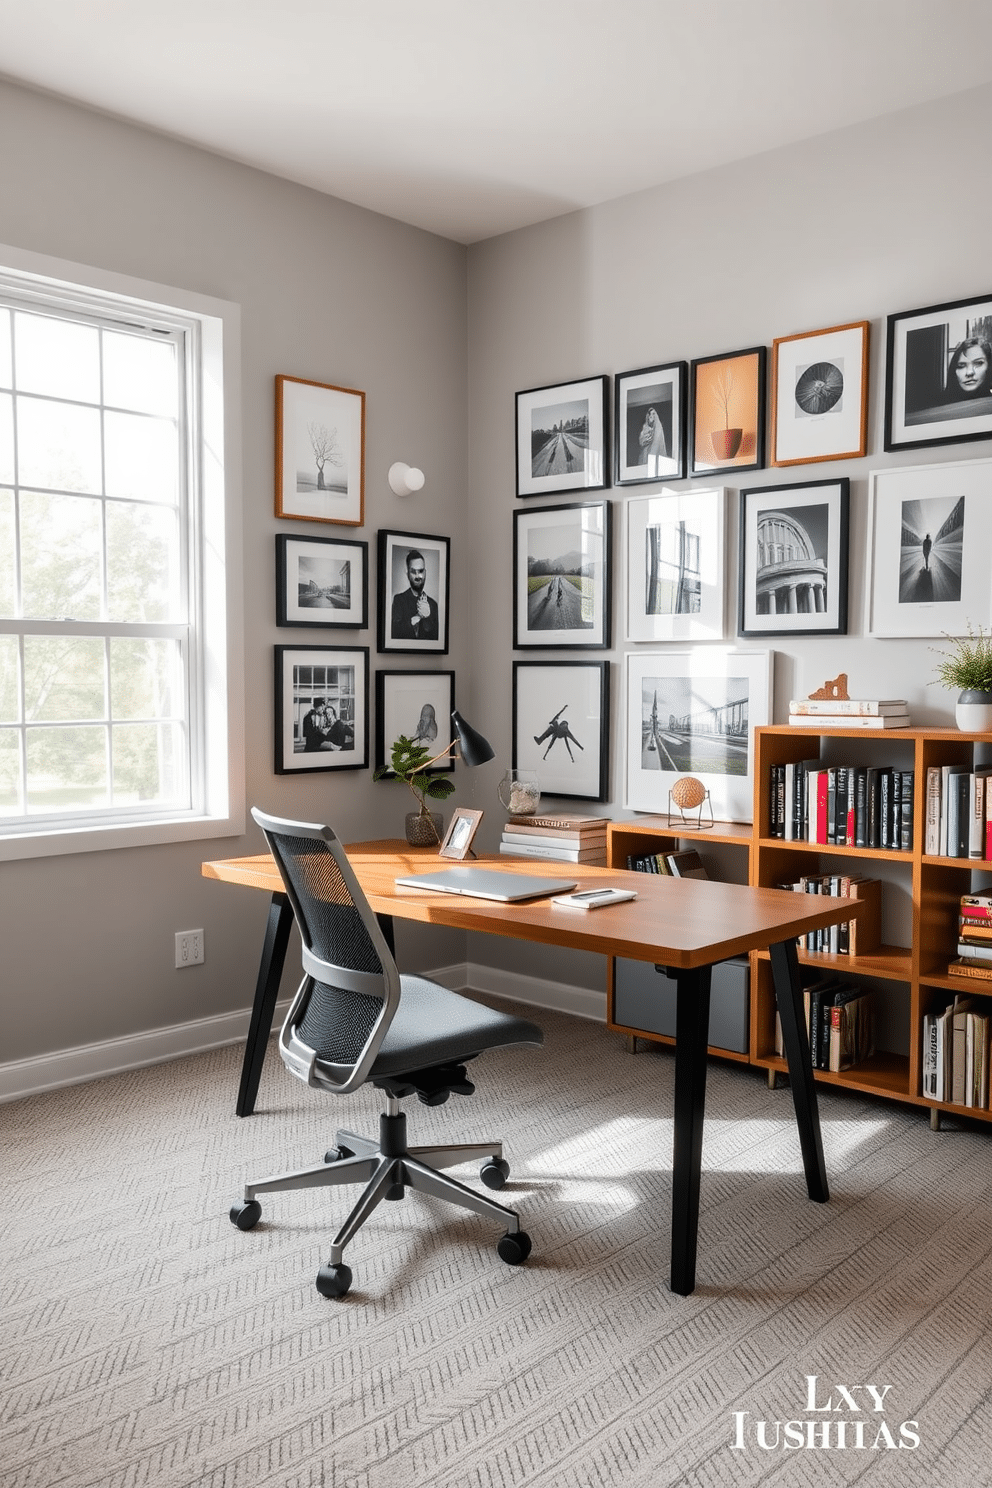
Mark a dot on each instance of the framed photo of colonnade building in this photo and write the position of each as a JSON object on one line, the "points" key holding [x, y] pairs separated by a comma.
{"points": [[694, 713], [793, 559]]}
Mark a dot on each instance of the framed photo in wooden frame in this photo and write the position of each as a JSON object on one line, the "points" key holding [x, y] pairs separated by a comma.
{"points": [[320, 452], [938, 374], [820, 395], [675, 566], [562, 567], [321, 708], [461, 830], [929, 531], [563, 438], [694, 713], [649, 424], [414, 574], [561, 715], [322, 582], [418, 705], [793, 559], [728, 411]]}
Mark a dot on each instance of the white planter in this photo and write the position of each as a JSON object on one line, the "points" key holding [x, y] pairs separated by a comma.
{"points": [[973, 712]]}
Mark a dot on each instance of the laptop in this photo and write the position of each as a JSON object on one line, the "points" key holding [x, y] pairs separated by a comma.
{"points": [[488, 883]]}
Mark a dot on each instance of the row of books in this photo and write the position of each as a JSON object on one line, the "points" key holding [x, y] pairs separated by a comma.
{"points": [[684, 864], [866, 713], [956, 1053], [974, 937], [840, 1021], [958, 812], [562, 839], [853, 937], [813, 800]]}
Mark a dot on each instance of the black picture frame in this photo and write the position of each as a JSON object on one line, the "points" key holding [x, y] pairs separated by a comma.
{"points": [[725, 388], [927, 402], [563, 438], [583, 687], [312, 679], [401, 699], [322, 583], [397, 623], [649, 424], [793, 557], [562, 577]]}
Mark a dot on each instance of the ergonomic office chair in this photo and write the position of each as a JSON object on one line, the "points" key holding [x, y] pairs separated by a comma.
{"points": [[355, 1020]]}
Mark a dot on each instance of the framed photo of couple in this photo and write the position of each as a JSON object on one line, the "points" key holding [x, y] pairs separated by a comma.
{"points": [[321, 708]]}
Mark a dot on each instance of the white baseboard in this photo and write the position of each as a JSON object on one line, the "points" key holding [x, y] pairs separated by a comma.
{"points": [[22, 1077]]}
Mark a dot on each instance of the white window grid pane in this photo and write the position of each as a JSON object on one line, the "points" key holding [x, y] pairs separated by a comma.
{"points": [[182, 717]]}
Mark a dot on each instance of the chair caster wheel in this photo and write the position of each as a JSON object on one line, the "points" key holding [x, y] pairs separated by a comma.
{"points": [[514, 1249], [333, 1281], [337, 1154], [246, 1214], [435, 1098], [494, 1172]]}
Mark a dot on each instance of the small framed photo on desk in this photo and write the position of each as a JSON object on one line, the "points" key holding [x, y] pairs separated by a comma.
{"points": [[462, 829]]}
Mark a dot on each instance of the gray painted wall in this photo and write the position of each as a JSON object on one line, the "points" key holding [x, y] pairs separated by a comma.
{"points": [[886, 216], [327, 291]]}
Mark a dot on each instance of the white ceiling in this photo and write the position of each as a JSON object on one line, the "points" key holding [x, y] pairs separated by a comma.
{"points": [[472, 119]]}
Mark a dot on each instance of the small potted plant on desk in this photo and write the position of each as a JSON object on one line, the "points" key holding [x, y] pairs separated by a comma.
{"points": [[424, 828], [967, 669]]}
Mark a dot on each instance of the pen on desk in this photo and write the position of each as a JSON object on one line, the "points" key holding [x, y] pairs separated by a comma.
{"points": [[592, 893]]}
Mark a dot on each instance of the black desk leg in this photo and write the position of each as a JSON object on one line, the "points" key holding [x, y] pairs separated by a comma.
{"points": [[266, 991], [789, 996], [692, 1018], [386, 926]]}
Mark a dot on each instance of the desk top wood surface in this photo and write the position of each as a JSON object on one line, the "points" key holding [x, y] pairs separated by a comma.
{"points": [[683, 922]]}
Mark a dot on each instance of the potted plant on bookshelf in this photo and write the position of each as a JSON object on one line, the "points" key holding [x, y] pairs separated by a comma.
{"points": [[967, 668], [424, 828]]}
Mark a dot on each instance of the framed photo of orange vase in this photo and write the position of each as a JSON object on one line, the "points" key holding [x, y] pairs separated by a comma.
{"points": [[820, 395], [728, 411]]}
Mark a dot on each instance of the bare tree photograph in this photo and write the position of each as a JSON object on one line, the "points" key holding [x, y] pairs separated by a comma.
{"points": [[320, 439]]}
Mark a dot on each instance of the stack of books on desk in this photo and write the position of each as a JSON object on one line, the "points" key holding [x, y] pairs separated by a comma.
{"points": [[563, 839], [866, 713]]}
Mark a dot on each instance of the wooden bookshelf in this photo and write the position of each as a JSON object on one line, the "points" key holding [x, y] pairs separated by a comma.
{"points": [[933, 884]]}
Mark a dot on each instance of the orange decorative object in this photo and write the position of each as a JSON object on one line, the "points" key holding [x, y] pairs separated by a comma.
{"points": [[837, 690], [688, 792]]}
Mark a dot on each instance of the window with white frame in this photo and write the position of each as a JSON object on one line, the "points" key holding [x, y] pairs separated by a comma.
{"points": [[114, 711]]}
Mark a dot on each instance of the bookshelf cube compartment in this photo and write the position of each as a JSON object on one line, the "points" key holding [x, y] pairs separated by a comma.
{"points": [[645, 999]]}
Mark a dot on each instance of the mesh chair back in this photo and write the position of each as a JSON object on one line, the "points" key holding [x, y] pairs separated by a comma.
{"points": [[351, 989]]}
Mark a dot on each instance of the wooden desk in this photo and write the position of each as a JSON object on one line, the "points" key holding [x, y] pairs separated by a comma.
{"points": [[686, 924]]}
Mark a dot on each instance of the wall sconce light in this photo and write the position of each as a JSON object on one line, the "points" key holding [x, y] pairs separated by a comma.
{"points": [[405, 479]]}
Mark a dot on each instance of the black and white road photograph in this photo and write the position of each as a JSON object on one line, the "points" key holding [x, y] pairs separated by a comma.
{"points": [[560, 438], [562, 573], [695, 724], [931, 550]]}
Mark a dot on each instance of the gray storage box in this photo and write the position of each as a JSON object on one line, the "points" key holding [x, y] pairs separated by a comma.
{"points": [[645, 999]]}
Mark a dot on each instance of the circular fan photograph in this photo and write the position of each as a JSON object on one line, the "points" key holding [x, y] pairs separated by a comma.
{"points": [[819, 388]]}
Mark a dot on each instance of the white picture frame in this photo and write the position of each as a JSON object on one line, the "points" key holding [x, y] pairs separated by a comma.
{"points": [[929, 528], [675, 565], [694, 713]]}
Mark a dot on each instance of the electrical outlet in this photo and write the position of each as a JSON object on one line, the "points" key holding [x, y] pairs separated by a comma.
{"points": [[189, 948]]}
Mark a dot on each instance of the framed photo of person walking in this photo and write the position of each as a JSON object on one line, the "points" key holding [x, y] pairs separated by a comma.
{"points": [[414, 574], [562, 438], [561, 713], [929, 531], [562, 569], [321, 708], [938, 374]]}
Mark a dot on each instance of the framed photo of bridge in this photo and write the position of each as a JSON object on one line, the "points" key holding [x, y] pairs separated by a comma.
{"points": [[562, 438], [561, 576], [694, 713]]}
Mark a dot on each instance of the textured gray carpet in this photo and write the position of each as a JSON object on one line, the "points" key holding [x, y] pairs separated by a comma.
{"points": [[146, 1341]]}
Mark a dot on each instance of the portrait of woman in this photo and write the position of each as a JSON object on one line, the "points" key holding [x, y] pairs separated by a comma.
{"points": [[969, 374]]}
